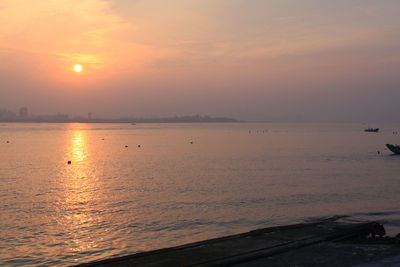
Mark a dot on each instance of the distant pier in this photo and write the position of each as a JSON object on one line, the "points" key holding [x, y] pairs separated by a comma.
{"points": [[331, 242]]}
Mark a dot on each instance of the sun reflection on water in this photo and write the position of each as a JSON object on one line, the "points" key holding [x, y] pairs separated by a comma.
{"points": [[79, 215], [78, 147]]}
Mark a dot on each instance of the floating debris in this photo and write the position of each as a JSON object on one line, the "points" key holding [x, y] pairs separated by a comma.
{"points": [[126, 146], [372, 130], [69, 162], [138, 145]]}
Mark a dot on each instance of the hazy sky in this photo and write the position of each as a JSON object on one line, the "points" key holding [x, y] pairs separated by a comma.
{"points": [[249, 59]]}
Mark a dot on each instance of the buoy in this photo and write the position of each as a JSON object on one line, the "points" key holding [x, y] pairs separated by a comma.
{"points": [[191, 143], [138, 145], [69, 162], [126, 146], [379, 152]]}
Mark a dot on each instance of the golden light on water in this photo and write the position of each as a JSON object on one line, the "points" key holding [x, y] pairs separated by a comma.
{"points": [[78, 146], [79, 184], [78, 68]]}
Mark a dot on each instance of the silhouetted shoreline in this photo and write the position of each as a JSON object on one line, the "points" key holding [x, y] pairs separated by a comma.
{"points": [[305, 244], [64, 119]]}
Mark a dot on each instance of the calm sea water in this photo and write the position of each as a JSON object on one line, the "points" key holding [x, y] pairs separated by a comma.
{"points": [[116, 200]]}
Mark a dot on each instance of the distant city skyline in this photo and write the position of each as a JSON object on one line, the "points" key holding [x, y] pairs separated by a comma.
{"points": [[7, 115], [24, 112]]}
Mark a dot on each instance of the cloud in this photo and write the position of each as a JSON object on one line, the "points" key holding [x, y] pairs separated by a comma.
{"points": [[58, 33]]}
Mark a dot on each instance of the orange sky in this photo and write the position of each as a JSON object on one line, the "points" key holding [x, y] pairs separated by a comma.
{"points": [[259, 59]]}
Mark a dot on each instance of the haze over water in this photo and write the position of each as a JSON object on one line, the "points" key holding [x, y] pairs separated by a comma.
{"points": [[117, 200], [132, 188]]}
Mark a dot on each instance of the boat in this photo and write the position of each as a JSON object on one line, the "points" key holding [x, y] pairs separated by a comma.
{"points": [[394, 148], [372, 130]]}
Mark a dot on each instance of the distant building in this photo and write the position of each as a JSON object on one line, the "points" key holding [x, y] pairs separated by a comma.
{"points": [[23, 112], [7, 114]]}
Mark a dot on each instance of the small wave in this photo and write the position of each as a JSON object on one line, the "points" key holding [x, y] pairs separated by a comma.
{"points": [[379, 213], [390, 219]]}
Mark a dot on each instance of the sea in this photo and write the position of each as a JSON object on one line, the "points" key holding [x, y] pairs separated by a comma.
{"points": [[76, 193]]}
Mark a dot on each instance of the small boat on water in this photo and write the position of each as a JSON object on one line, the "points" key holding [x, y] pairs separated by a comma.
{"points": [[372, 130], [394, 148]]}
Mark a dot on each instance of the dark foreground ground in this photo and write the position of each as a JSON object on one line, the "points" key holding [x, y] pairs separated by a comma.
{"points": [[332, 242]]}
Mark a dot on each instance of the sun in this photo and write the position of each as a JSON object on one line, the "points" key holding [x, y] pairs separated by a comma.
{"points": [[78, 67]]}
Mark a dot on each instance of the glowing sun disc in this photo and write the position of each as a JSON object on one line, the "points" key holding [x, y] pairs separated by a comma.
{"points": [[78, 68]]}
